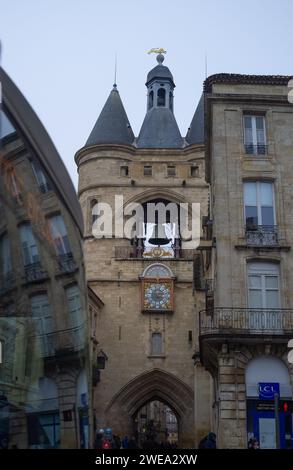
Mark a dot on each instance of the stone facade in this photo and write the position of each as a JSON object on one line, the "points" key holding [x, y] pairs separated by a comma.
{"points": [[132, 376], [229, 338]]}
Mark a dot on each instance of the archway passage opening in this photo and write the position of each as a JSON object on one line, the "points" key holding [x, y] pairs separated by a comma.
{"points": [[156, 425]]}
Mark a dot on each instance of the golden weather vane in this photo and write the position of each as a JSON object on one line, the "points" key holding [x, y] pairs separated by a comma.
{"points": [[157, 50]]}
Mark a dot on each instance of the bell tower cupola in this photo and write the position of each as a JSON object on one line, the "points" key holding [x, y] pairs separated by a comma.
{"points": [[159, 128], [160, 86]]}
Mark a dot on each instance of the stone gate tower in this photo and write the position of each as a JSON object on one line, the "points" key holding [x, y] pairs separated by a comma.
{"points": [[151, 288]]}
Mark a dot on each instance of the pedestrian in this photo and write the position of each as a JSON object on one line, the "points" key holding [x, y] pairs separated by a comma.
{"points": [[125, 442], [208, 442], [132, 444], [116, 442], [99, 439], [253, 443]]}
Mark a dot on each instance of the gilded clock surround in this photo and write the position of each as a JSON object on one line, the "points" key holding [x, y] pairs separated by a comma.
{"points": [[157, 295]]}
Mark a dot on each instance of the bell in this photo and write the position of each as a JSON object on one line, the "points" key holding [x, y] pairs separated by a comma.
{"points": [[159, 236]]}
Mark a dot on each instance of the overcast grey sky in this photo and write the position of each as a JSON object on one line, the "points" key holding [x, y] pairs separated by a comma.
{"points": [[61, 54]]}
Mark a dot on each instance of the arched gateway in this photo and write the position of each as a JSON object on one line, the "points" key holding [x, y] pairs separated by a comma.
{"points": [[153, 385]]}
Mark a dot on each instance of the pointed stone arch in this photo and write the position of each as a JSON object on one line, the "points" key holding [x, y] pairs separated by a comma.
{"points": [[156, 193], [154, 385]]}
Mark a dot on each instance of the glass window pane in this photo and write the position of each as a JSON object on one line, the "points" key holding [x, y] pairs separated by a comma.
{"points": [[267, 216], [6, 127], [272, 299], [260, 136], [247, 122], [156, 344], [266, 194], [251, 215], [59, 235], [250, 194], [255, 282], [271, 282], [259, 122], [248, 136], [255, 299]]}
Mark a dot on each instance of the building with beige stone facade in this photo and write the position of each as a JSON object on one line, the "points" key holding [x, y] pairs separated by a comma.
{"points": [[246, 326], [201, 332], [44, 389], [151, 288]]}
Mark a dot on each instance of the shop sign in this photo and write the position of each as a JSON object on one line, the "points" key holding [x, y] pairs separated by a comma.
{"points": [[267, 390]]}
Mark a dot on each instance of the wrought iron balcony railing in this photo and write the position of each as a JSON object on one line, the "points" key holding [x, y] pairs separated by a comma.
{"points": [[124, 252], [261, 235], [61, 342], [66, 263], [258, 149], [35, 272], [241, 321]]}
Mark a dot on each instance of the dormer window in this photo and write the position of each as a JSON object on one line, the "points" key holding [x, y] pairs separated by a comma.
{"points": [[161, 97]]}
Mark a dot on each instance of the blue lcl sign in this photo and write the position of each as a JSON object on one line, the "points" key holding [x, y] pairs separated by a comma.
{"points": [[267, 390]]}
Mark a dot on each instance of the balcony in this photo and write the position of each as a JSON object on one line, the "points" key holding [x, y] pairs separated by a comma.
{"points": [[134, 252], [261, 235], [62, 343], [232, 323], [257, 150], [66, 263], [35, 273]]}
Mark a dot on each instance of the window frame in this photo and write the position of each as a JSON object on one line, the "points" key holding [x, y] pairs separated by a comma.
{"points": [[41, 177], [29, 247], [148, 167], [126, 169], [61, 237], [258, 206], [171, 167], [153, 353], [254, 142], [264, 269]]}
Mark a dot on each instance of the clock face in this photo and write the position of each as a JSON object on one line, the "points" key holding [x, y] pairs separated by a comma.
{"points": [[157, 296]]}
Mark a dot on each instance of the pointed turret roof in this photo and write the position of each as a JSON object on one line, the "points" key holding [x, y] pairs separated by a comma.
{"points": [[112, 126], [159, 130], [195, 133]]}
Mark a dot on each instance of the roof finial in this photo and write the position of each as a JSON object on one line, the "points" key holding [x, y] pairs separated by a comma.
{"points": [[160, 51], [115, 72]]}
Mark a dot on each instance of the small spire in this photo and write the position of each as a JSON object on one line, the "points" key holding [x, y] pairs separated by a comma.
{"points": [[115, 73]]}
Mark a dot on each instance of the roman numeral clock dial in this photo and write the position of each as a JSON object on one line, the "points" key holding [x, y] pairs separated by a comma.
{"points": [[157, 296]]}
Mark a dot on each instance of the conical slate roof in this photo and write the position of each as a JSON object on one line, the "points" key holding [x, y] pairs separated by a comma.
{"points": [[112, 126], [159, 130], [195, 133]]}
